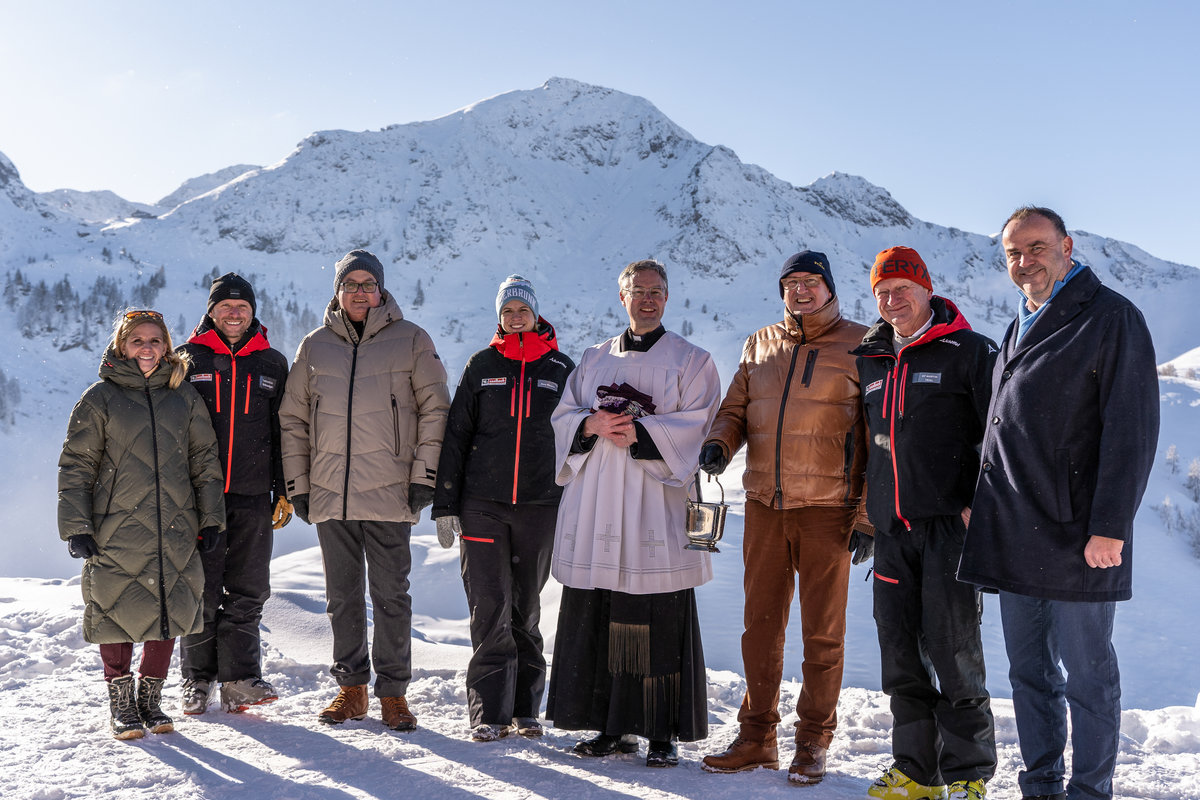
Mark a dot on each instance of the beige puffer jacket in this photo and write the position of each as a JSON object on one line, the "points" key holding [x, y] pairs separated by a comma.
{"points": [[795, 403], [392, 383]]}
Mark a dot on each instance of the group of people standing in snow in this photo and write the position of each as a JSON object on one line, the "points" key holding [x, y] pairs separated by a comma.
{"points": [[960, 466]]}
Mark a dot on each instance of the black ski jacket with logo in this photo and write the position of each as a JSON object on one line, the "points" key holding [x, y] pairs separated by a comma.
{"points": [[926, 408], [498, 444], [242, 391]]}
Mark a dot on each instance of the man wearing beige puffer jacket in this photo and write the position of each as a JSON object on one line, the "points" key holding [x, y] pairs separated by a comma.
{"points": [[795, 403], [362, 420]]}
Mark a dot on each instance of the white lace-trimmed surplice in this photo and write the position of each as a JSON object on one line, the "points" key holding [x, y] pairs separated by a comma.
{"points": [[621, 522]]}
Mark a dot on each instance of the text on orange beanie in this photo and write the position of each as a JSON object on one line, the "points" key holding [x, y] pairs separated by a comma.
{"points": [[900, 262]]}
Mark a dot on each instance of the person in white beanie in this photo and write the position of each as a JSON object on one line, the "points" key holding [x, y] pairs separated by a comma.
{"points": [[496, 491]]}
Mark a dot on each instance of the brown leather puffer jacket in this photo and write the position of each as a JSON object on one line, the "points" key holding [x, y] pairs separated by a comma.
{"points": [[795, 403]]}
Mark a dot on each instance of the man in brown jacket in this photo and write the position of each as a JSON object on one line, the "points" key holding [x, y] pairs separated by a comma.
{"points": [[362, 421], [795, 403]]}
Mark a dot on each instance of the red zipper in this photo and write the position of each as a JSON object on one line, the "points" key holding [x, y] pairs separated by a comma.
{"points": [[232, 414], [896, 406], [522, 410]]}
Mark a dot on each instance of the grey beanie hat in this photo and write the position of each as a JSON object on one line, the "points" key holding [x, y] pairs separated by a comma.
{"points": [[516, 288], [357, 259]]}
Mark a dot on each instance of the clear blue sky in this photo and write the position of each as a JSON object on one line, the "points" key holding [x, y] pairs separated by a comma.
{"points": [[962, 110]]}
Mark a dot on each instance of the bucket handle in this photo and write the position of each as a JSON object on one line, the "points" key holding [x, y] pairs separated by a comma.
{"points": [[699, 498]]}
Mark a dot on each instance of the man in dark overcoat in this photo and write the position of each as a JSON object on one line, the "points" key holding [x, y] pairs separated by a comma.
{"points": [[1071, 435]]}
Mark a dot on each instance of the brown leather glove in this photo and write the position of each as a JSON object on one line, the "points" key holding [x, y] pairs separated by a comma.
{"points": [[282, 514]]}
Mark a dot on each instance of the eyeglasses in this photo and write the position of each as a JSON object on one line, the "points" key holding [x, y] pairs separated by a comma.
{"points": [[642, 294], [352, 287], [810, 283], [143, 313]]}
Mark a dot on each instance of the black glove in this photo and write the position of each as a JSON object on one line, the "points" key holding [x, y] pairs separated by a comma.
{"points": [[862, 545], [712, 458], [419, 496], [210, 539], [82, 545], [300, 506]]}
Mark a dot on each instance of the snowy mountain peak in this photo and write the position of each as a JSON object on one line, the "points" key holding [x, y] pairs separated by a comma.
{"points": [[194, 187], [860, 201], [15, 191]]}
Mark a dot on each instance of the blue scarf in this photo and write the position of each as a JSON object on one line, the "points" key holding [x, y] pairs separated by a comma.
{"points": [[1025, 317]]}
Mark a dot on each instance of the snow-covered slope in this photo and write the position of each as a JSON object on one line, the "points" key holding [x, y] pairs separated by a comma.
{"points": [[55, 743], [194, 187]]}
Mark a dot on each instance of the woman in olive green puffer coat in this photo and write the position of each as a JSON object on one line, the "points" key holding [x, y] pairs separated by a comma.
{"points": [[139, 488]]}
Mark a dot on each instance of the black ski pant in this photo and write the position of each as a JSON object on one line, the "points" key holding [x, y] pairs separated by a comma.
{"points": [[237, 583], [505, 555], [384, 546], [928, 625]]}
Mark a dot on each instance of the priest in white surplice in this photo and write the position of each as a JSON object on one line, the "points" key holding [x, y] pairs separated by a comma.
{"points": [[628, 659]]}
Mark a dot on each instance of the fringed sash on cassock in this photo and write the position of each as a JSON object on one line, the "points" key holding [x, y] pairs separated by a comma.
{"points": [[637, 665]]}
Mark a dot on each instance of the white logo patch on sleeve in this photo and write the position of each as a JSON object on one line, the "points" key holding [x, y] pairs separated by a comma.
{"points": [[873, 387], [494, 382]]}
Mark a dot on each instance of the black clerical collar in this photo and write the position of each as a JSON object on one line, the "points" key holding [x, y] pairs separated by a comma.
{"points": [[640, 344]]}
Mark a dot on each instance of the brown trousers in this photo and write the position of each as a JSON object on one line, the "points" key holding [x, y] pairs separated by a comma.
{"points": [[777, 547]]}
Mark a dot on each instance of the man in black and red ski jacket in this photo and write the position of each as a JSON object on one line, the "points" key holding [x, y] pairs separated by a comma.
{"points": [[241, 379], [926, 382]]}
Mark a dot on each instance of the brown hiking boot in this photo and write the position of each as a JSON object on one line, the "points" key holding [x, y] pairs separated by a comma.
{"points": [[809, 764], [350, 703], [396, 714], [743, 755]]}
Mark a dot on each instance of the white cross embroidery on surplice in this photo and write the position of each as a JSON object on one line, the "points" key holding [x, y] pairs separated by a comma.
{"points": [[608, 537], [651, 542]]}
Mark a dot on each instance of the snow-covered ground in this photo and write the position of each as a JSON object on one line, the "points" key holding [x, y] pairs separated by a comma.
{"points": [[55, 744]]}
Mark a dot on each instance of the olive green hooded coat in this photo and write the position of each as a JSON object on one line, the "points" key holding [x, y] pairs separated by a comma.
{"points": [[139, 472]]}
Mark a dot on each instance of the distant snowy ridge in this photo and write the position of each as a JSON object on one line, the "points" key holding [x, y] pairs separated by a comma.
{"points": [[194, 187]]}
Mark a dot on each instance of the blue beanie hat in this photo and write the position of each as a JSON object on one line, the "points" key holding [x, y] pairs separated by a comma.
{"points": [[808, 261], [516, 288]]}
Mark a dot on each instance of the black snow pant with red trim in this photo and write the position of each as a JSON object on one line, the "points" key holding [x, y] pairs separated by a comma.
{"points": [[928, 625], [505, 554], [237, 584]]}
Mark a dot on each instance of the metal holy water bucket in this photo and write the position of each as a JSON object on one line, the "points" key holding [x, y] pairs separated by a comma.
{"points": [[705, 521]]}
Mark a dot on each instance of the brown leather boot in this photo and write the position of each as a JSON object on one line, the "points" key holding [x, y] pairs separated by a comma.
{"points": [[808, 766], [350, 703], [396, 714], [742, 755]]}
